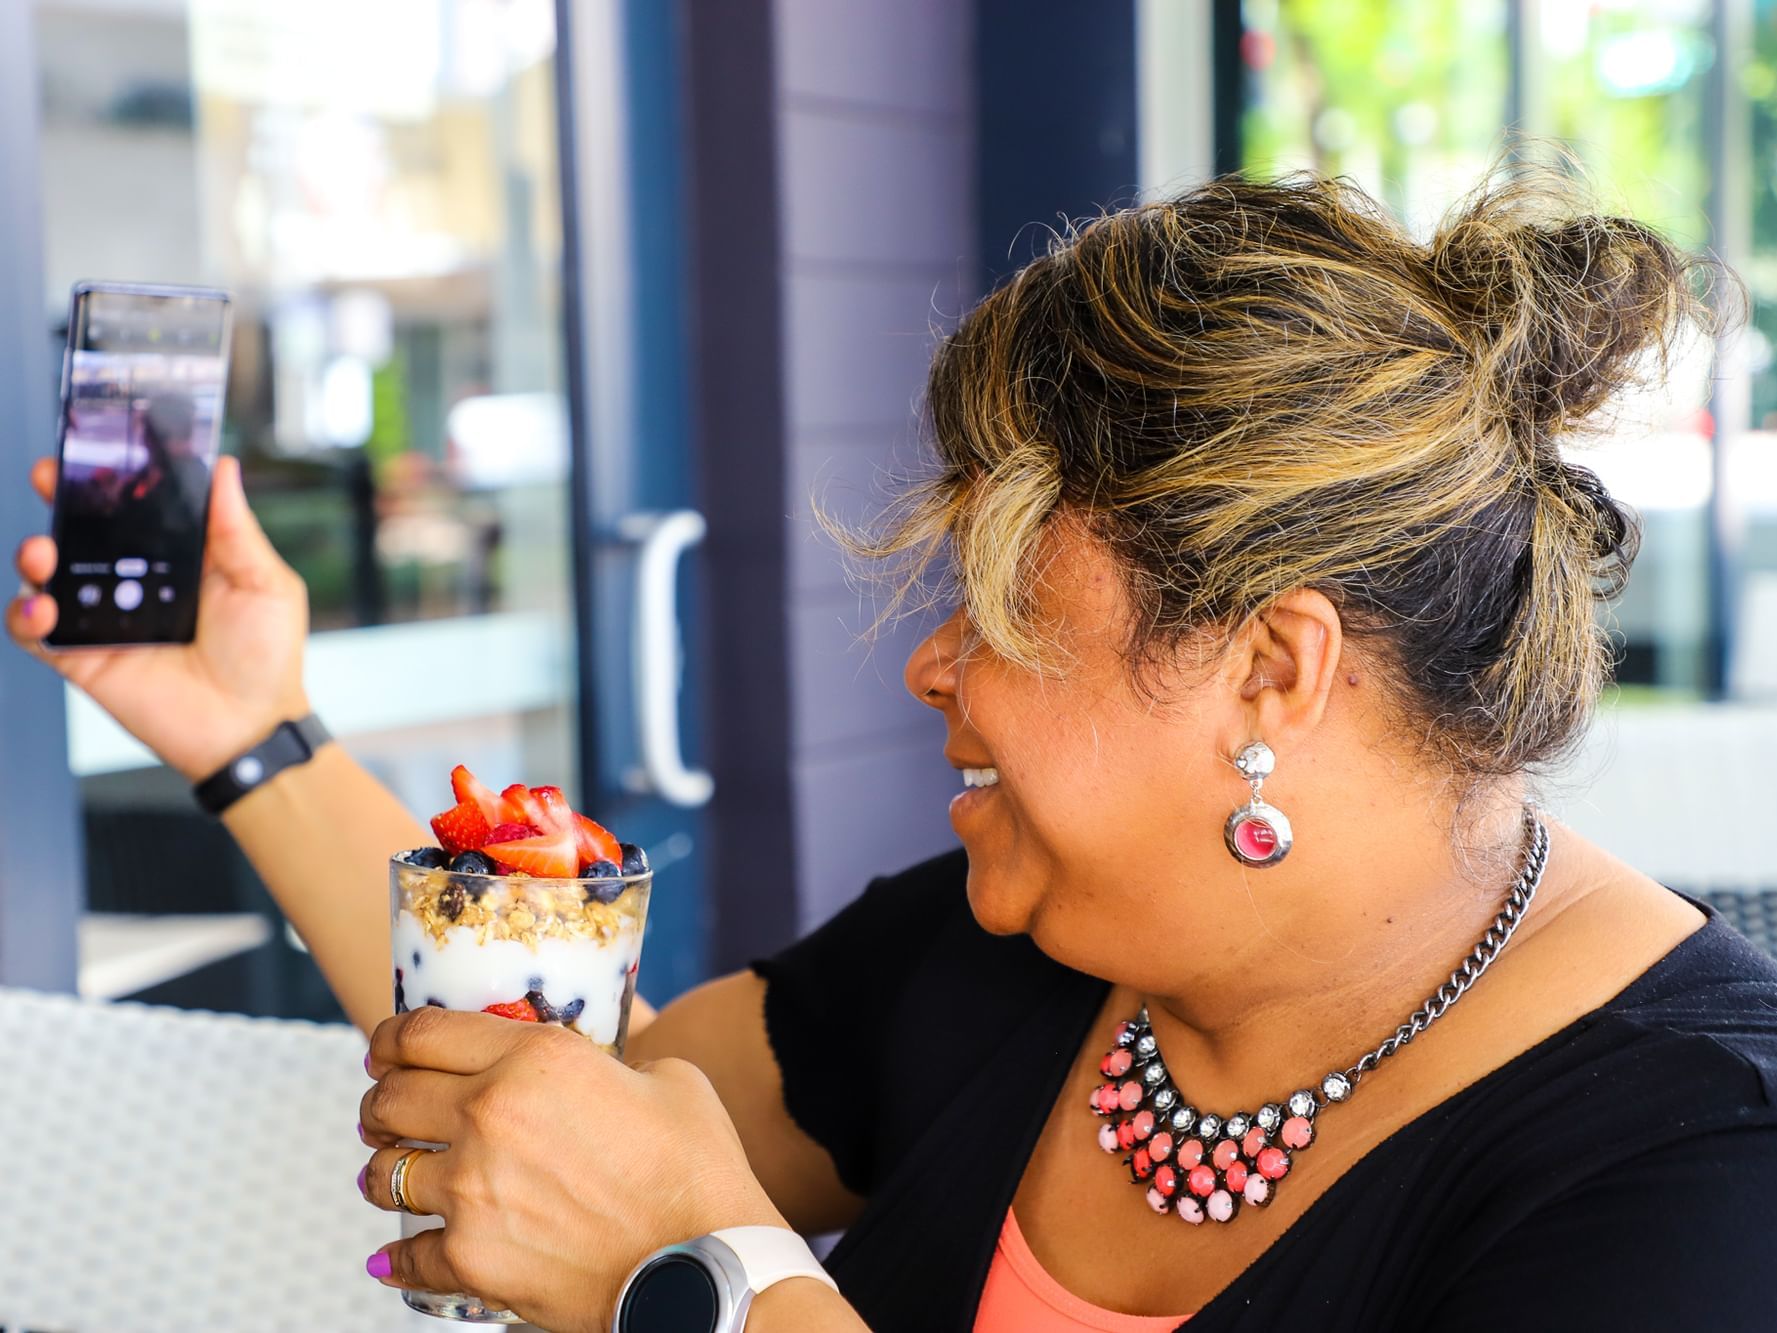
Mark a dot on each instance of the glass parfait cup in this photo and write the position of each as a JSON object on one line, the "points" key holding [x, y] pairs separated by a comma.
{"points": [[559, 950]]}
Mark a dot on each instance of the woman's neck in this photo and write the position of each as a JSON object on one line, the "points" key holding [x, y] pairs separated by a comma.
{"points": [[1345, 947]]}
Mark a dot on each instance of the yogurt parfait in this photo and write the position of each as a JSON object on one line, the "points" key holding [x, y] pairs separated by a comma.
{"points": [[527, 909]]}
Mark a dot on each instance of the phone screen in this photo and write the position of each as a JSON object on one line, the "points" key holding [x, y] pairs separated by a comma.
{"points": [[142, 396]]}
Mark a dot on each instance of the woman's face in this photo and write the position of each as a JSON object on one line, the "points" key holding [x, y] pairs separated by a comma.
{"points": [[1107, 799]]}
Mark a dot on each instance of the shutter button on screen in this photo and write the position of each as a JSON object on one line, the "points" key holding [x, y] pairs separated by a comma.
{"points": [[128, 595], [89, 594]]}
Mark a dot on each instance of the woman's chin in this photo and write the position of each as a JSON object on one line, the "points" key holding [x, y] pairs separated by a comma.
{"points": [[1000, 907]]}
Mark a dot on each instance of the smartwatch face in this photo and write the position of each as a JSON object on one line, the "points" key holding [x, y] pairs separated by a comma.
{"points": [[675, 1294]]}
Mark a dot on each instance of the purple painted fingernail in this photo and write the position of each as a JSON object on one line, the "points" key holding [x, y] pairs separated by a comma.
{"points": [[28, 607], [360, 1131], [366, 1062], [378, 1265], [362, 1171]]}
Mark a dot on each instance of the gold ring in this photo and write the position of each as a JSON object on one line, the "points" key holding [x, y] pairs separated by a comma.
{"points": [[398, 1180]]}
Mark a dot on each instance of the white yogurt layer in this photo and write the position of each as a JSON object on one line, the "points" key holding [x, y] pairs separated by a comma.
{"points": [[461, 973]]}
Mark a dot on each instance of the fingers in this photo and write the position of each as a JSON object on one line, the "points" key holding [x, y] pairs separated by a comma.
{"points": [[30, 619], [413, 1104], [238, 546], [421, 1188], [418, 1264], [43, 479], [36, 560], [450, 1041]]}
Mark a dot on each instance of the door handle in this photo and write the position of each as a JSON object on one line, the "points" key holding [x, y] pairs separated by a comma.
{"points": [[656, 656]]}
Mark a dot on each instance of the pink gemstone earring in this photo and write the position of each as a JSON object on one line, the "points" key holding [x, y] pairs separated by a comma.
{"points": [[1257, 834]]}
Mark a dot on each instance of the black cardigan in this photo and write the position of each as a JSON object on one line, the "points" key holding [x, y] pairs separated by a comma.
{"points": [[1620, 1175]]}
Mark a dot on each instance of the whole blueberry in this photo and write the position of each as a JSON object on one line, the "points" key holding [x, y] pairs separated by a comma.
{"points": [[570, 1011], [545, 1010], [635, 860], [605, 890], [471, 863], [427, 858]]}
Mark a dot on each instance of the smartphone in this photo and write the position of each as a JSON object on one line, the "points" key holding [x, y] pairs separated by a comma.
{"points": [[143, 380]]}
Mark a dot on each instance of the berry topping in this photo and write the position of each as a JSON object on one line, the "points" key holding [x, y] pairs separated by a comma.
{"points": [[635, 860], [557, 813], [518, 1009], [570, 1012], [466, 787], [512, 832], [603, 890], [546, 855], [602, 870], [596, 842], [472, 863], [518, 806], [462, 827], [545, 1011], [427, 858]]}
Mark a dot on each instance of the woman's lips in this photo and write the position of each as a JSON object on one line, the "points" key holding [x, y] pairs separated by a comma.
{"points": [[980, 787]]}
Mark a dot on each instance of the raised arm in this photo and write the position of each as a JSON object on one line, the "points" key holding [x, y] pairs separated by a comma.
{"points": [[198, 705]]}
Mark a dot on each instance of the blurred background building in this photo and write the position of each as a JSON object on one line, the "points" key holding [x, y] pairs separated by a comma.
{"points": [[554, 314]]}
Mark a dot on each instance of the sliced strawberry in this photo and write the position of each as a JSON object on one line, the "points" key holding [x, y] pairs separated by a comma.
{"points": [[512, 832], [465, 786], [547, 855], [462, 828], [517, 1009], [557, 813], [595, 842], [518, 806]]}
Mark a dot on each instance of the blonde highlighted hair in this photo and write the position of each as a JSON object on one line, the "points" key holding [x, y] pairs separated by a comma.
{"points": [[1262, 386]]}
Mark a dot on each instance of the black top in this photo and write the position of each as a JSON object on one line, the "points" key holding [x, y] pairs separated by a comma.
{"points": [[1620, 1175]]}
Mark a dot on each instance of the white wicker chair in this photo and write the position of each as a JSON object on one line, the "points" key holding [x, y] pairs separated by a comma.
{"points": [[172, 1172]]}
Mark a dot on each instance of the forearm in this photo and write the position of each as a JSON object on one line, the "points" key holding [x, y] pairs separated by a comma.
{"points": [[320, 835], [803, 1306]]}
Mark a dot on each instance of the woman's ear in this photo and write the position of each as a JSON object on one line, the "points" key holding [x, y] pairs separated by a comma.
{"points": [[1285, 662]]}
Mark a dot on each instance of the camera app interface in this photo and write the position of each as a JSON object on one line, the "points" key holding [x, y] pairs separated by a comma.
{"points": [[141, 425]]}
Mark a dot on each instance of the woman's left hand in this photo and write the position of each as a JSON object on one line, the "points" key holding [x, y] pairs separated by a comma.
{"points": [[565, 1167]]}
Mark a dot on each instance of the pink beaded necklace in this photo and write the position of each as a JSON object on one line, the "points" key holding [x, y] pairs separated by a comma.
{"points": [[1199, 1164]]}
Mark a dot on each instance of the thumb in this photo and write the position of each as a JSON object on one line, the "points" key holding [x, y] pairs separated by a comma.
{"points": [[238, 546]]}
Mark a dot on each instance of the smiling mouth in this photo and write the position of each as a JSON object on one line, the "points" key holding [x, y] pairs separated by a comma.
{"points": [[981, 777]]}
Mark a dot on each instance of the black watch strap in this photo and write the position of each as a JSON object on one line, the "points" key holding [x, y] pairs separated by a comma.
{"points": [[291, 744]]}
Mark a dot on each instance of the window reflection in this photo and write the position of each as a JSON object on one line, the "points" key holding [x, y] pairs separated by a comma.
{"points": [[385, 209]]}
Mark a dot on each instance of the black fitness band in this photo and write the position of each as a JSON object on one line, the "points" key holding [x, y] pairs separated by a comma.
{"points": [[292, 743]]}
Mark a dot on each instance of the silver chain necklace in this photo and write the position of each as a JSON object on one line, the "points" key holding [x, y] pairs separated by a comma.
{"points": [[1200, 1165]]}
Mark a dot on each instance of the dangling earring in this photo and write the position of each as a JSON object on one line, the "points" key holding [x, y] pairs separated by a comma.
{"points": [[1257, 834]]}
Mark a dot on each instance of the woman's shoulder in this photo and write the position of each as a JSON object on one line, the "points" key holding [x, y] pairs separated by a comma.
{"points": [[1714, 997]]}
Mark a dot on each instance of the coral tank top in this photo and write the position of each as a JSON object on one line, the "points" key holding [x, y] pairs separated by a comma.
{"points": [[1020, 1297]]}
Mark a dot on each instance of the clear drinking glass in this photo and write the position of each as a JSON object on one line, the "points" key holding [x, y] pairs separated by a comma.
{"points": [[564, 949]]}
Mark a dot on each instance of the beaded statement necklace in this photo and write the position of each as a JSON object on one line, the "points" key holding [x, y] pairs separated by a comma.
{"points": [[1200, 1164]]}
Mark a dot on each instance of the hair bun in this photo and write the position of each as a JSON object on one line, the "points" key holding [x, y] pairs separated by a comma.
{"points": [[1563, 304]]}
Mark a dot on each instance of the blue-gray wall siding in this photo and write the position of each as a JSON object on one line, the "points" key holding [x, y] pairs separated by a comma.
{"points": [[877, 254]]}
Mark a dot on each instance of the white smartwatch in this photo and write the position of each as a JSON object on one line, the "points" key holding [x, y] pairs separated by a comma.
{"points": [[707, 1285]]}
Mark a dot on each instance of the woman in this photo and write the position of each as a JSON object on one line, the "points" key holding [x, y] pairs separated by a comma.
{"points": [[1274, 587]]}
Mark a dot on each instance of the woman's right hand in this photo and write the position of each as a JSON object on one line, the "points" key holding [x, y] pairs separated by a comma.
{"points": [[195, 705]]}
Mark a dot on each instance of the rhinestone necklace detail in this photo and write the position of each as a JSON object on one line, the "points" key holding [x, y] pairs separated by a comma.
{"points": [[1199, 1164]]}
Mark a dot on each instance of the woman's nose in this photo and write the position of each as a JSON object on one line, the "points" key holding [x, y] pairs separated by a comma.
{"points": [[933, 665]]}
